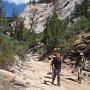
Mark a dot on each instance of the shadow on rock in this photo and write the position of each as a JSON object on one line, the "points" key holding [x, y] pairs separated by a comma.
{"points": [[47, 82]]}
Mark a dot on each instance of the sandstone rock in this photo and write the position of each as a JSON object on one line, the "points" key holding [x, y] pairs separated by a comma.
{"points": [[87, 66], [19, 81], [81, 44], [6, 75], [65, 8]]}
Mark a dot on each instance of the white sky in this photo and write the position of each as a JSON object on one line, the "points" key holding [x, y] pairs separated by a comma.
{"points": [[18, 2]]}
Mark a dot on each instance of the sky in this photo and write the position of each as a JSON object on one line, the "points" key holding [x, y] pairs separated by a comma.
{"points": [[19, 5], [18, 2]]}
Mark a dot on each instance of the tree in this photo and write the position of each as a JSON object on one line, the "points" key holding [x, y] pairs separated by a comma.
{"points": [[45, 1], [31, 37], [53, 31], [33, 21], [19, 29], [2, 12], [6, 52], [34, 1], [14, 13], [81, 9]]}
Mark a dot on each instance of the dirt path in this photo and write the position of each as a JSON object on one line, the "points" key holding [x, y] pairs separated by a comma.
{"points": [[37, 75]]}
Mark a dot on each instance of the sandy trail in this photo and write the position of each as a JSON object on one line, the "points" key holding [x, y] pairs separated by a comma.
{"points": [[36, 73]]}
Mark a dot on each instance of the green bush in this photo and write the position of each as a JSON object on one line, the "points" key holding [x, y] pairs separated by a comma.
{"points": [[6, 57], [20, 48], [6, 53], [31, 38], [81, 9], [58, 33], [53, 32], [9, 47]]}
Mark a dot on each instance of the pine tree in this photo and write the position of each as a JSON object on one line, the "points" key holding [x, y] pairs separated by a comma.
{"points": [[2, 12], [45, 1], [14, 13], [81, 9], [19, 29], [53, 31]]}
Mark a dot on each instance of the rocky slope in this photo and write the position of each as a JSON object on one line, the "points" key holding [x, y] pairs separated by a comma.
{"points": [[65, 8], [81, 43]]}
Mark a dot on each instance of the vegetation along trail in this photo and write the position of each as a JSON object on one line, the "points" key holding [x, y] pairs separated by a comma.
{"points": [[44, 27]]}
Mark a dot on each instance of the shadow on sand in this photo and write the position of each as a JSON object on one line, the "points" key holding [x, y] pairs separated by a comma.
{"points": [[48, 77], [48, 82], [71, 79], [49, 73]]}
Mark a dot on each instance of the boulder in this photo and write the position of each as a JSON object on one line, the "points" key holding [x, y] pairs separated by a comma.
{"points": [[6, 75], [87, 66]]}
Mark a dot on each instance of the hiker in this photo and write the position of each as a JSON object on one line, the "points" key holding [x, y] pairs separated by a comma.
{"points": [[56, 67], [80, 65]]}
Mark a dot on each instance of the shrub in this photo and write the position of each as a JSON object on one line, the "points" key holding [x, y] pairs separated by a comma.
{"points": [[6, 57], [8, 48], [53, 31], [20, 48], [6, 54]]}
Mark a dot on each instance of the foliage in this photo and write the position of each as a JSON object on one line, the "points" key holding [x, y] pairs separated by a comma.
{"points": [[14, 14], [53, 31], [31, 39], [3, 25], [81, 9], [14, 38], [44, 1], [57, 32], [2, 12], [20, 38], [18, 29], [80, 25], [31, 36], [20, 48], [6, 53], [33, 19]]}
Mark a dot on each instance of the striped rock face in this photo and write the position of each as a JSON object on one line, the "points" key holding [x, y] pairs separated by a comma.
{"points": [[38, 13]]}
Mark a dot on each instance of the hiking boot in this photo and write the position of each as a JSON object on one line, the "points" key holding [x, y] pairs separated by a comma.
{"points": [[79, 82], [58, 84]]}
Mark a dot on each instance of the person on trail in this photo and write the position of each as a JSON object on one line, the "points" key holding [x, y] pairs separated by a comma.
{"points": [[80, 65], [56, 68]]}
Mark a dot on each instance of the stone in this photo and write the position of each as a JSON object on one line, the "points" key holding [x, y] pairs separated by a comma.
{"points": [[6, 75], [65, 8], [87, 66]]}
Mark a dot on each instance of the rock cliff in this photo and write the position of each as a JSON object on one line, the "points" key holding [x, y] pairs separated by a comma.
{"points": [[38, 13]]}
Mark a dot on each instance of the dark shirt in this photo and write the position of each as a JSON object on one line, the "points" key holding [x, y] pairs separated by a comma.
{"points": [[56, 63]]}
